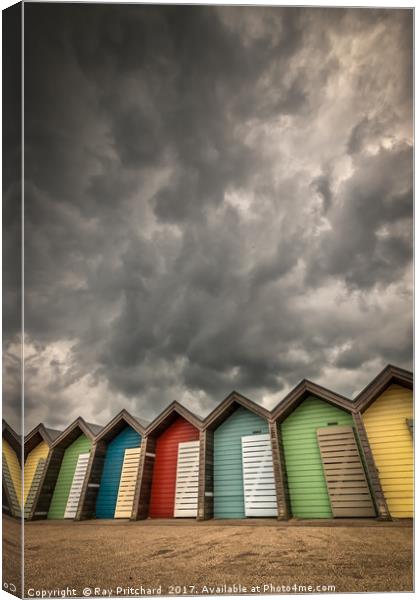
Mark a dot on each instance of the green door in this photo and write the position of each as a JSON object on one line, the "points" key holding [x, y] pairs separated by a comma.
{"points": [[65, 476], [305, 476], [228, 480]]}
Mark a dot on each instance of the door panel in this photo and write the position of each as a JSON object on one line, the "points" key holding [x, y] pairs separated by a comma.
{"points": [[125, 499], [258, 476], [76, 486], [35, 482], [344, 473], [186, 491]]}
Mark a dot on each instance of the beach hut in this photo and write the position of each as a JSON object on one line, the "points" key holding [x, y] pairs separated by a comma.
{"points": [[65, 472], [237, 477], [386, 409], [12, 471], [37, 447], [168, 473], [110, 485], [322, 465]]}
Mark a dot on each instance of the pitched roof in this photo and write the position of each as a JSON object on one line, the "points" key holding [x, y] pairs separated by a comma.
{"points": [[94, 428], [73, 431], [12, 438], [142, 421], [229, 405], [53, 433], [308, 388], [389, 375], [37, 435], [117, 424], [167, 417]]}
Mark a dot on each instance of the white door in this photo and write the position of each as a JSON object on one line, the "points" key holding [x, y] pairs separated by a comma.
{"points": [[126, 491], [186, 491], [259, 486], [76, 486]]}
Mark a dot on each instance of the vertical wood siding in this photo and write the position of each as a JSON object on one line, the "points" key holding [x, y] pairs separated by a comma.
{"points": [[228, 478], [307, 487], [14, 470], [162, 500], [392, 447], [111, 474], [65, 477], [141, 504]]}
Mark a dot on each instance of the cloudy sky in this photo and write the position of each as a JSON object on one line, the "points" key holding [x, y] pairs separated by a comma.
{"points": [[216, 198]]}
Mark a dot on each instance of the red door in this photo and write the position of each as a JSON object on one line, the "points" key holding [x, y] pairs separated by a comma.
{"points": [[162, 498]]}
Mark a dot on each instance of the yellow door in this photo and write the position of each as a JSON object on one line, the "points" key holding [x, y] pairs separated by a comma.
{"points": [[126, 491], [31, 463], [387, 422]]}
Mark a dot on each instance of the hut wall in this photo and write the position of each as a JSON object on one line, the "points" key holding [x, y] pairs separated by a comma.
{"points": [[162, 499], [111, 474], [65, 477], [387, 421], [305, 477], [228, 478]]}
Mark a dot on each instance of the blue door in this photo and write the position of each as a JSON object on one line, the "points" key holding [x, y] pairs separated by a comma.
{"points": [[111, 475]]}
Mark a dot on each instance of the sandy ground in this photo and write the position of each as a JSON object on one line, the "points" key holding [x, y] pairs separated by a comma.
{"points": [[11, 556], [354, 557]]}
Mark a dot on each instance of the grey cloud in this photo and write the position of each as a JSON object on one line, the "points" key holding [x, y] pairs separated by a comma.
{"points": [[175, 244], [360, 247], [323, 188]]}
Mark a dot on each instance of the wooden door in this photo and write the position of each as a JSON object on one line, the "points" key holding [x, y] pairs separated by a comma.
{"points": [[126, 490], [344, 473], [76, 486], [33, 489], [186, 491], [258, 476]]}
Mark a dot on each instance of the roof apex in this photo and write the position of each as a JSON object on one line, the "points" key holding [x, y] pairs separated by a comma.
{"points": [[174, 407], [304, 388], [123, 415], [222, 410], [390, 374], [80, 423], [42, 431]]}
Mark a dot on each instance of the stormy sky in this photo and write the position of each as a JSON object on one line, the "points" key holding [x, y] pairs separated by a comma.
{"points": [[216, 198]]}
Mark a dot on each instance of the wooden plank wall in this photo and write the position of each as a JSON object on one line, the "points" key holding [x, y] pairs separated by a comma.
{"points": [[35, 483], [46, 489], [6, 500], [392, 447], [205, 482], [371, 470], [144, 479], [283, 502], [87, 504]]}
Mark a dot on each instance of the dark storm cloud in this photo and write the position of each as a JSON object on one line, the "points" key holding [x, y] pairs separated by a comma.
{"points": [[217, 198], [365, 246]]}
